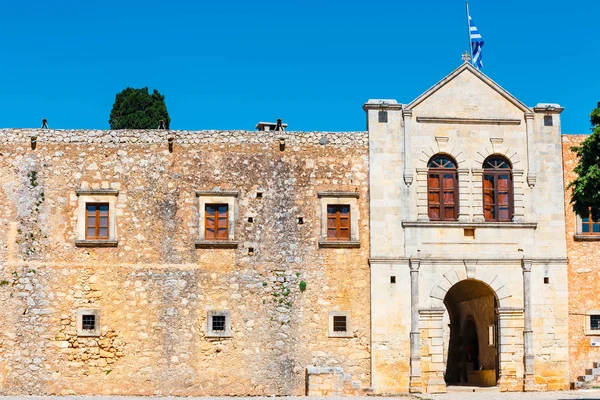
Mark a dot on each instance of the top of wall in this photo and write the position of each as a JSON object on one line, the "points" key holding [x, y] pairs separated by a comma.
{"points": [[145, 136]]}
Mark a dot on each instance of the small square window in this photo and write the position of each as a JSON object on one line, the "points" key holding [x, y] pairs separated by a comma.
{"points": [[218, 323], [392, 279], [88, 322], [339, 324], [383, 117], [548, 120]]}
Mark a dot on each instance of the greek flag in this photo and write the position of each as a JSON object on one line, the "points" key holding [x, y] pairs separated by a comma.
{"points": [[476, 44]]}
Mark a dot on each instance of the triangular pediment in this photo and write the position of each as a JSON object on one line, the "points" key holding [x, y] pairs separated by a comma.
{"points": [[468, 92]]}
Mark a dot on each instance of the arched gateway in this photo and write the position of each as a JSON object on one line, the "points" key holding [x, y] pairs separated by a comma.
{"points": [[470, 343]]}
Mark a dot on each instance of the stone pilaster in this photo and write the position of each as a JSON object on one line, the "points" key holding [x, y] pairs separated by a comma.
{"points": [[432, 319], [529, 383], [518, 196], [464, 211], [415, 385], [510, 349], [478, 195], [422, 205]]}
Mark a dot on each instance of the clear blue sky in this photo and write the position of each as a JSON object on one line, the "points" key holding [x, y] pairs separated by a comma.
{"points": [[229, 64]]}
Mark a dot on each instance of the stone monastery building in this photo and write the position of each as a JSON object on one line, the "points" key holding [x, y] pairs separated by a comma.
{"points": [[431, 250]]}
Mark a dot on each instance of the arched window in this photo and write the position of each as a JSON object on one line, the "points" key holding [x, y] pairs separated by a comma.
{"points": [[497, 189], [442, 189]]}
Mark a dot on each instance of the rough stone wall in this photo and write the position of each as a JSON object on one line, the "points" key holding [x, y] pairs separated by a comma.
{"points": [[155, 288], [584, 274]]}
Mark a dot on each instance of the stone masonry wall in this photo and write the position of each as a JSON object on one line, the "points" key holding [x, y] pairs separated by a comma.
{"points": [[584, 274], [154, 289]]}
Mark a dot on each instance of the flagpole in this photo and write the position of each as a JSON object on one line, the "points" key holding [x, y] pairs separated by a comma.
{"points": [[469, 32]]}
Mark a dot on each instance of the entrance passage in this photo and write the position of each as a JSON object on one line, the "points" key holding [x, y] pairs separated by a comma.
{"points": [[471, 342]]}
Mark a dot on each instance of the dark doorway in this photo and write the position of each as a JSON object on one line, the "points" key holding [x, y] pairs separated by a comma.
{"points": [[472, 357]]}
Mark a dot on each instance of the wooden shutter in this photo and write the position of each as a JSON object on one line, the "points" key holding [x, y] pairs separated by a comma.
{"points": [[434, 197], [96, 221], [489, 197], [338, 222], [216, 222]]}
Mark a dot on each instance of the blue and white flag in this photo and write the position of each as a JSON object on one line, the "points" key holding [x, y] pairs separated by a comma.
{"points": [[476, 44]]}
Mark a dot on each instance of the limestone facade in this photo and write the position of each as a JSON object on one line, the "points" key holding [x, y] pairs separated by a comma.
{"points": [[522, 336]]}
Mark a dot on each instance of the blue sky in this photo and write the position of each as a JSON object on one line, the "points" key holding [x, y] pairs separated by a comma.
{"points": [[229, 64]]}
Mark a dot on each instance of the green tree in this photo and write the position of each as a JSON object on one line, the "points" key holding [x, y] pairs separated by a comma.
{"points": [[137, 109], [586, 188]]}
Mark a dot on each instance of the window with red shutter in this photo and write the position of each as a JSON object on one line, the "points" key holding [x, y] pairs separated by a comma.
{"points": [[96, 221], [442, 189], [497, 189], [338, 222], [216, 222]]}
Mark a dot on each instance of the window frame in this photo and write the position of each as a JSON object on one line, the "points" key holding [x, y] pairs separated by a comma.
{"points": [[88, 332], [339, 198], [210, 333], [331, 332], [588, 322], [206, 197], [496, 172], [439, 173], [96, 196]]}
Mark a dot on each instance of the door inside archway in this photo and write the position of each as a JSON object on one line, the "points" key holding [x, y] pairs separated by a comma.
{"points": [[471, 342]]}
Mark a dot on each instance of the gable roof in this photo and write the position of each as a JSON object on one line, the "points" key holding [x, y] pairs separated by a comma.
{"points": [[484, 78]]}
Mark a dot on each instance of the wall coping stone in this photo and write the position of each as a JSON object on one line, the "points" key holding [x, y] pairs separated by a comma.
{"points": [[180, 137]]}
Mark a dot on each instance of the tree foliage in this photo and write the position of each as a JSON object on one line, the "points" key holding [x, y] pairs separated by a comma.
{"points": [[137, 109], [586, 188]]}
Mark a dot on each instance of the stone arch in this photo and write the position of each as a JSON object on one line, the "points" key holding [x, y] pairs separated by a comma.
{"points": [[495, 150], [487, 276], [457, 156]]}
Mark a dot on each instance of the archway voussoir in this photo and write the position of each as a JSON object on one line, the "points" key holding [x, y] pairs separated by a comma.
{"points": [[451, 277], [438, 293]]}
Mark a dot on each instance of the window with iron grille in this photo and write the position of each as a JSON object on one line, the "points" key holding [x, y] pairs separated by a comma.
{"points": [[497, 189], [548, 120], [595, 322], [339, 324], [96, 221], [88, 322], [383, 116], [338, 222], [218, 323], [442, 188], [216, 222]]}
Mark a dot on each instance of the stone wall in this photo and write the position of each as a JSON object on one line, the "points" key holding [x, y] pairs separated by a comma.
{"points": [[584, 271], [154, 289]]}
